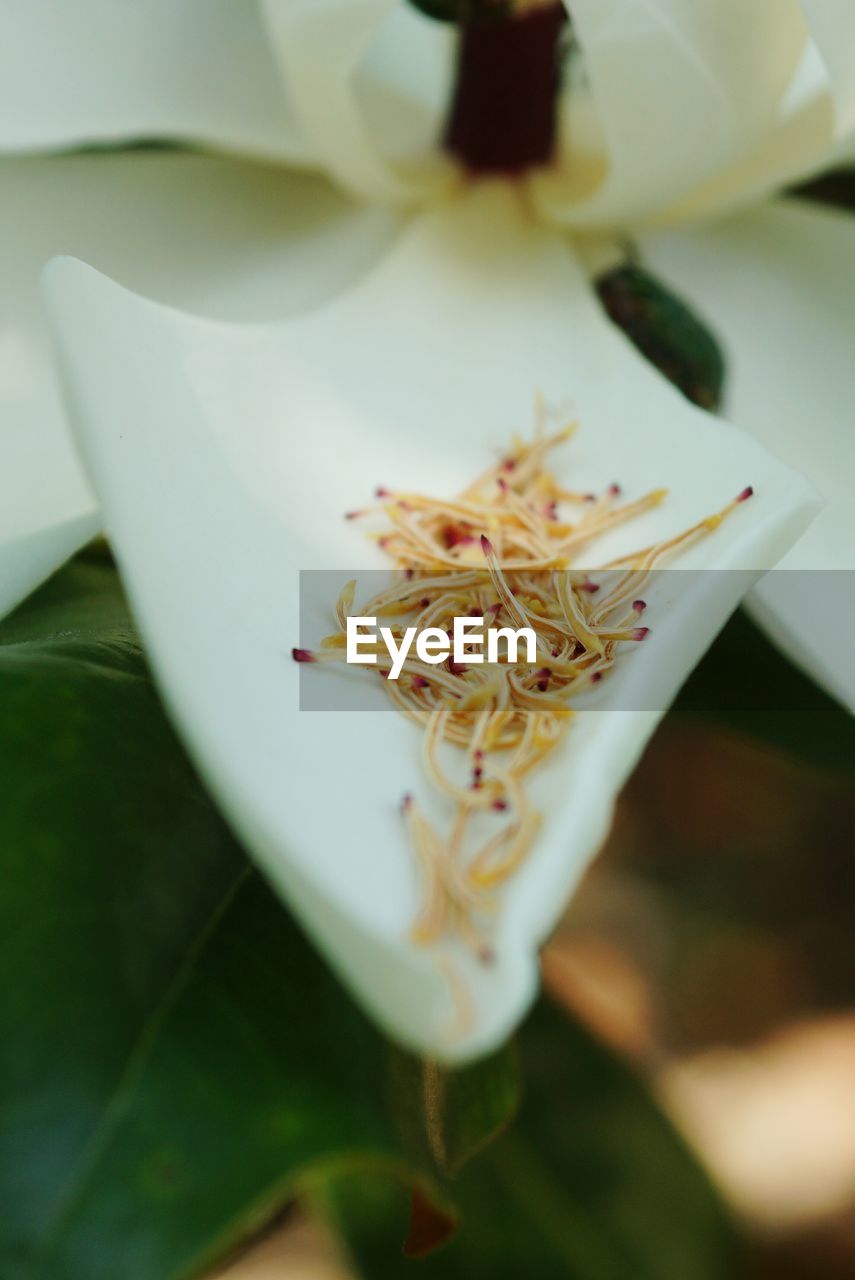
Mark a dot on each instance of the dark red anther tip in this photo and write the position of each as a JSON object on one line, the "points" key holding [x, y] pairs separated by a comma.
{"points": [[747, 492], [639, 605], [409, 574], [590, 497], [381, 492], [590, 587], [419, 682], [503, 484], [302, 655], [406, 801], [509, 464], [640, 633], [487, 955], [486, 544], [596, 677], [479, 754], [614, 490], [383, 542], [352, 515], [424, 602], [500, 805]]}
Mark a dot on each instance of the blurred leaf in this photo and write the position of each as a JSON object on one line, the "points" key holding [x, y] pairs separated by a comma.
{"points": [[464, 10], [176, 1058], [835, 187], [591, 1183], [746, 684], [666, 330], [429, 1227]]}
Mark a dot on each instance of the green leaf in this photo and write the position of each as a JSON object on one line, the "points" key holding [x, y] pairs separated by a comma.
{"points": [[464, 10], [747, 685], [177, 1061], [665, 329], [591, 1183]]}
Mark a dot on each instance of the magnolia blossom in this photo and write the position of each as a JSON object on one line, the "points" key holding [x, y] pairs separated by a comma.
{"points": [[410, 317]]}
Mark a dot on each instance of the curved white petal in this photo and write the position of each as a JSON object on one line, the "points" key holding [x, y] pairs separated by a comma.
{"points": [[238, 451], [681, 92], [369, 80], [801, 141], [95, 71], [832, 25], [228, 239], [778, 284]]}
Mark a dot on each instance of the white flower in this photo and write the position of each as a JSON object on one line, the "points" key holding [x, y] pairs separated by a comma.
{"points": [[223, 454]]}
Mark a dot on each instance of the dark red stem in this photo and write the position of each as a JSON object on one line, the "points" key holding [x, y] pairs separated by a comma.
{"points": [[502, 116]]}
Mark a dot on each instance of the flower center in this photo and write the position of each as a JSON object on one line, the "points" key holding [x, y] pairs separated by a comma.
{"points": [[502, 117]]}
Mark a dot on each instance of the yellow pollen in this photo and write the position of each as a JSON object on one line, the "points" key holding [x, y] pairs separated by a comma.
{"points": [[507, 717]]}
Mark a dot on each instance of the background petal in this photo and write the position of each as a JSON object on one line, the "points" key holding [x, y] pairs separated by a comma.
{"points": [[778, 285], [832, 25], [105, 70], [681, 93], [370, 80], [800, 141], [414, 377], [220, 237]]}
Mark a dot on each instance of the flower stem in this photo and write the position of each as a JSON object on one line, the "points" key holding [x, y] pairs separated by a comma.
{"points": [[502, 118]]}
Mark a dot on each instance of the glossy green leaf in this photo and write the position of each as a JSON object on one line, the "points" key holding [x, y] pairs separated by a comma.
{"points": [[590, 1183], [667, 331], [176, 1059]]}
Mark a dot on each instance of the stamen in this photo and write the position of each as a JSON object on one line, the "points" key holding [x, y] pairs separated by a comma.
{"points": [[506, 717]]}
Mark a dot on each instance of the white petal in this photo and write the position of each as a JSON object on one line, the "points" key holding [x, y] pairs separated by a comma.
{"points": [[370, 81], [238, 452], [104, 70], [801, 141], [778, 284], [220, 237], [682, 92], [832, 25]]}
